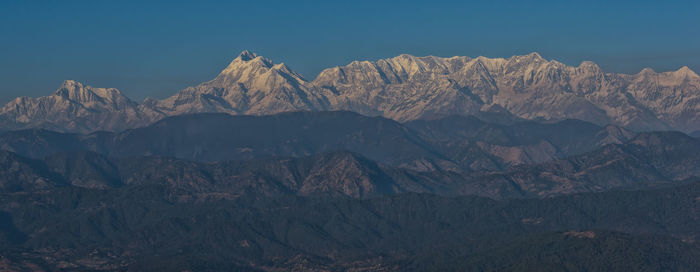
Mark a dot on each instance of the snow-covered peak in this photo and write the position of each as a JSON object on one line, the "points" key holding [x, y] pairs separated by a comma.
{"points": [[245, 66], [281, 66], [69, 88], [532, 57], [253, 72], [535, 55], [589, 67], [686, 72], [404, 87], [80, 93], [284, 69], [647, 71], [670, 77], [246, 55]]}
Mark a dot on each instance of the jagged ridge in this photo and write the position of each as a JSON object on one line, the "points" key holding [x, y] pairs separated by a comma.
{"points": [[402, 88]]}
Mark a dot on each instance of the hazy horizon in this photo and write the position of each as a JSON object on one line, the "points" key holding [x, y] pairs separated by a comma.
{"points": [[156, 50]]}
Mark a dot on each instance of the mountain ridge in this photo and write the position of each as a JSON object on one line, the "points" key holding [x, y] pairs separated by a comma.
{"points": [[451, 143], [402, 88], [648, 160]]}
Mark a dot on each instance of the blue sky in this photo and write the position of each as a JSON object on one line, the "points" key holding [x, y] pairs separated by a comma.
{"points": [[159, 47]]}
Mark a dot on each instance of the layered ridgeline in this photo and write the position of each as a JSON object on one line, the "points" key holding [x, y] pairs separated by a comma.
{"points": [[455, 143], [203, 156], [403, 88]]}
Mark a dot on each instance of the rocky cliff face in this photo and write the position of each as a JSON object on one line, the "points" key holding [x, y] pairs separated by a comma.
{"points": [[403, 88]]}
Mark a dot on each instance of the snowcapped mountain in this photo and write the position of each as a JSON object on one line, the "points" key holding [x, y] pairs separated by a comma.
{"points": [[402, 88], [76, 107], [250, 84], [407, 88]]}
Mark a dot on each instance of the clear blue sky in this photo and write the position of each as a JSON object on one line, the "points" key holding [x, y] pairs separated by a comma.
{"points": [[157, 48]]}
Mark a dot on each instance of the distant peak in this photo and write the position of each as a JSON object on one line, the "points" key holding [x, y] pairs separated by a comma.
{"points": [[245, 60], [77, 91], [247, 55], [535, 55], [69, 87], [407, 56], [685, 70], [589, 66], [588, 63], [249, 66], [70, 84], [647, 71]]}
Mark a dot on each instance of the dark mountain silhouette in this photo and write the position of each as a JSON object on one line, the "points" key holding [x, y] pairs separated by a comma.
{"points": [[648, 160], [453, 143]]}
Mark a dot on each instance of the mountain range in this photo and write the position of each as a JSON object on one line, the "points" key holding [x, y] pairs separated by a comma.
{"points": [[403, 164], [206, 156], [452, 143], [403, 88]]}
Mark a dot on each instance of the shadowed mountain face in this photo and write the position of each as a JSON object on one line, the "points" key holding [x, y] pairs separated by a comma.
{"points": [[338, 191], [19, 174], [215, 137], [403, 88], [224, 137], [455, 143], [523, 142], [648, 160], [330, 174]]}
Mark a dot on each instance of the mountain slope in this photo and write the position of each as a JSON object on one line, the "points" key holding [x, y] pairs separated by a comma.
{"points": [[214, 137], [454, 143], [402, 88], [76, 107], [250, 84], [521, 142], [408, 88], [19, 174], [649, 160], [329, 174]]}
